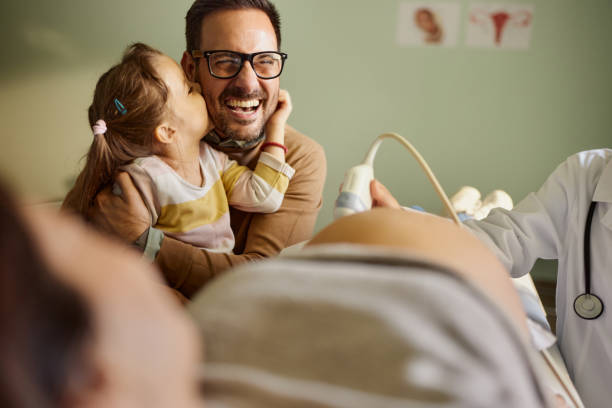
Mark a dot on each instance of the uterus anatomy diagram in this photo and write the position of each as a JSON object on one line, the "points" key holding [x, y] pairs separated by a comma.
{"points": [[501, 27]]}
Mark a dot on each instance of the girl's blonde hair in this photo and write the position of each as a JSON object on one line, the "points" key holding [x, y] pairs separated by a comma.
{"points": [[135, 85]]}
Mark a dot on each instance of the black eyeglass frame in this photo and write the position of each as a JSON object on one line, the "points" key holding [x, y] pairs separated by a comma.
{"points": [[243, 57]]}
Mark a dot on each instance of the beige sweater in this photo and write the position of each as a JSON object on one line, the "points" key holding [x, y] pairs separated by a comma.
{"points": [[187, 268]]}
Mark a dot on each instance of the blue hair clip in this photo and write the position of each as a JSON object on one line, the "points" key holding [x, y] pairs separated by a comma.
{"points": [[120, 107]]}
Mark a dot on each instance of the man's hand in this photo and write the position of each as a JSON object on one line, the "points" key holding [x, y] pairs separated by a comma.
{"points": [[125, 215], [381, 197]]}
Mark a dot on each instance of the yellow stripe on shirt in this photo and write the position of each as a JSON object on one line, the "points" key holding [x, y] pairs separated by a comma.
{"points": [[230, 177], [189, 215], [276, 179]]}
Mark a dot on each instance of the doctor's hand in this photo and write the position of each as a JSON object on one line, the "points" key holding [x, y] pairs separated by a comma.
{"points": [[121, 213], [381, 197]]}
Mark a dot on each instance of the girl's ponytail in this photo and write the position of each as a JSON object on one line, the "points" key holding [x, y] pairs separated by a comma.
{"points": [[130, 101], [99, 171]]}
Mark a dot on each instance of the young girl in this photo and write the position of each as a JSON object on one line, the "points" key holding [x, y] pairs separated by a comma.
{"points": [[148, 120]]}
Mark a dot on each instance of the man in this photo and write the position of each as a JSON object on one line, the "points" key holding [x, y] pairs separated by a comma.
{"points": [[239, 100]]}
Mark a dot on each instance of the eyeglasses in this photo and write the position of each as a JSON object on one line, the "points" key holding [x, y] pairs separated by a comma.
{"points": [[225, 64]]}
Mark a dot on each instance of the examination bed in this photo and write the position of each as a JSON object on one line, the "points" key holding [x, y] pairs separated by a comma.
{"points": [[353, 326]]}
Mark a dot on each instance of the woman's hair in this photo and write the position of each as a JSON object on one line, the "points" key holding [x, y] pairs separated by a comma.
{"points": [[426, 11], [45, 325], [132, 84]]}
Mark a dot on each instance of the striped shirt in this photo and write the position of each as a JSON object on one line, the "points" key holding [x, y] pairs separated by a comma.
{"points": [[199, 215]]}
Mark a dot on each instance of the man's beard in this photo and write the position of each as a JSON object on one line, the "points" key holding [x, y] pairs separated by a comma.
{"points": [[223, 127], [233, 129]]}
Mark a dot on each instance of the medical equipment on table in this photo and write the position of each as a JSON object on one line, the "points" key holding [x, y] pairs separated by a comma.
{"points": [[355, 193], [587, 305], [355, 197]]}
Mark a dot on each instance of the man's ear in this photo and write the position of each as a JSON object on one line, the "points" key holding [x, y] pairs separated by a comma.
{"points": [[164, 133], [189, 66]]}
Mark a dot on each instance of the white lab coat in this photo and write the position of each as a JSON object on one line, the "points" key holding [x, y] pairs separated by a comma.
{"points": [[550, 224]]}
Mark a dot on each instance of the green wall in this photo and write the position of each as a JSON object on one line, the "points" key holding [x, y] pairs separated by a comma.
{"points": [[487, 118]]}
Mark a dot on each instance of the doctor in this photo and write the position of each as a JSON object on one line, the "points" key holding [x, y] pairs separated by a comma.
{"points": [[553, 224]]}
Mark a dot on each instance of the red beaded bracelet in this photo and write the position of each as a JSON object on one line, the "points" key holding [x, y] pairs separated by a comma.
{"points": [[282, 146]]}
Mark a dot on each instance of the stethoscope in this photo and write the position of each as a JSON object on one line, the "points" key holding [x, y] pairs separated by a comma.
{"points": [[588, 306]]}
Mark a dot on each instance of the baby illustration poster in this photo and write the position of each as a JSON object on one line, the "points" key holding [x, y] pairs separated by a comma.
{"points": [[428, 23], [499, 26]]}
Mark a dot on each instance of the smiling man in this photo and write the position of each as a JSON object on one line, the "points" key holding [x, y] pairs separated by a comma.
{"points": [[233, 51], [241, 95]]}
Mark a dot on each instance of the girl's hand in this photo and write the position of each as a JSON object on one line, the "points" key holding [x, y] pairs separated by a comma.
{"points": [[283, 110]]}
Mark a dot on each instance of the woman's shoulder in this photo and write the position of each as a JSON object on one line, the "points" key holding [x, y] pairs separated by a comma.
{"points": [[581, 173], [590, 160]]}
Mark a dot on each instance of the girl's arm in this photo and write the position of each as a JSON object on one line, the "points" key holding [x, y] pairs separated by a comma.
{"points": [[275, 127], [261, 190]]}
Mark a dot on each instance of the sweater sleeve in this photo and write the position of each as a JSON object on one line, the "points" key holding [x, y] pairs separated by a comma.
{"points": [[261, 190], [537, 226]]}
